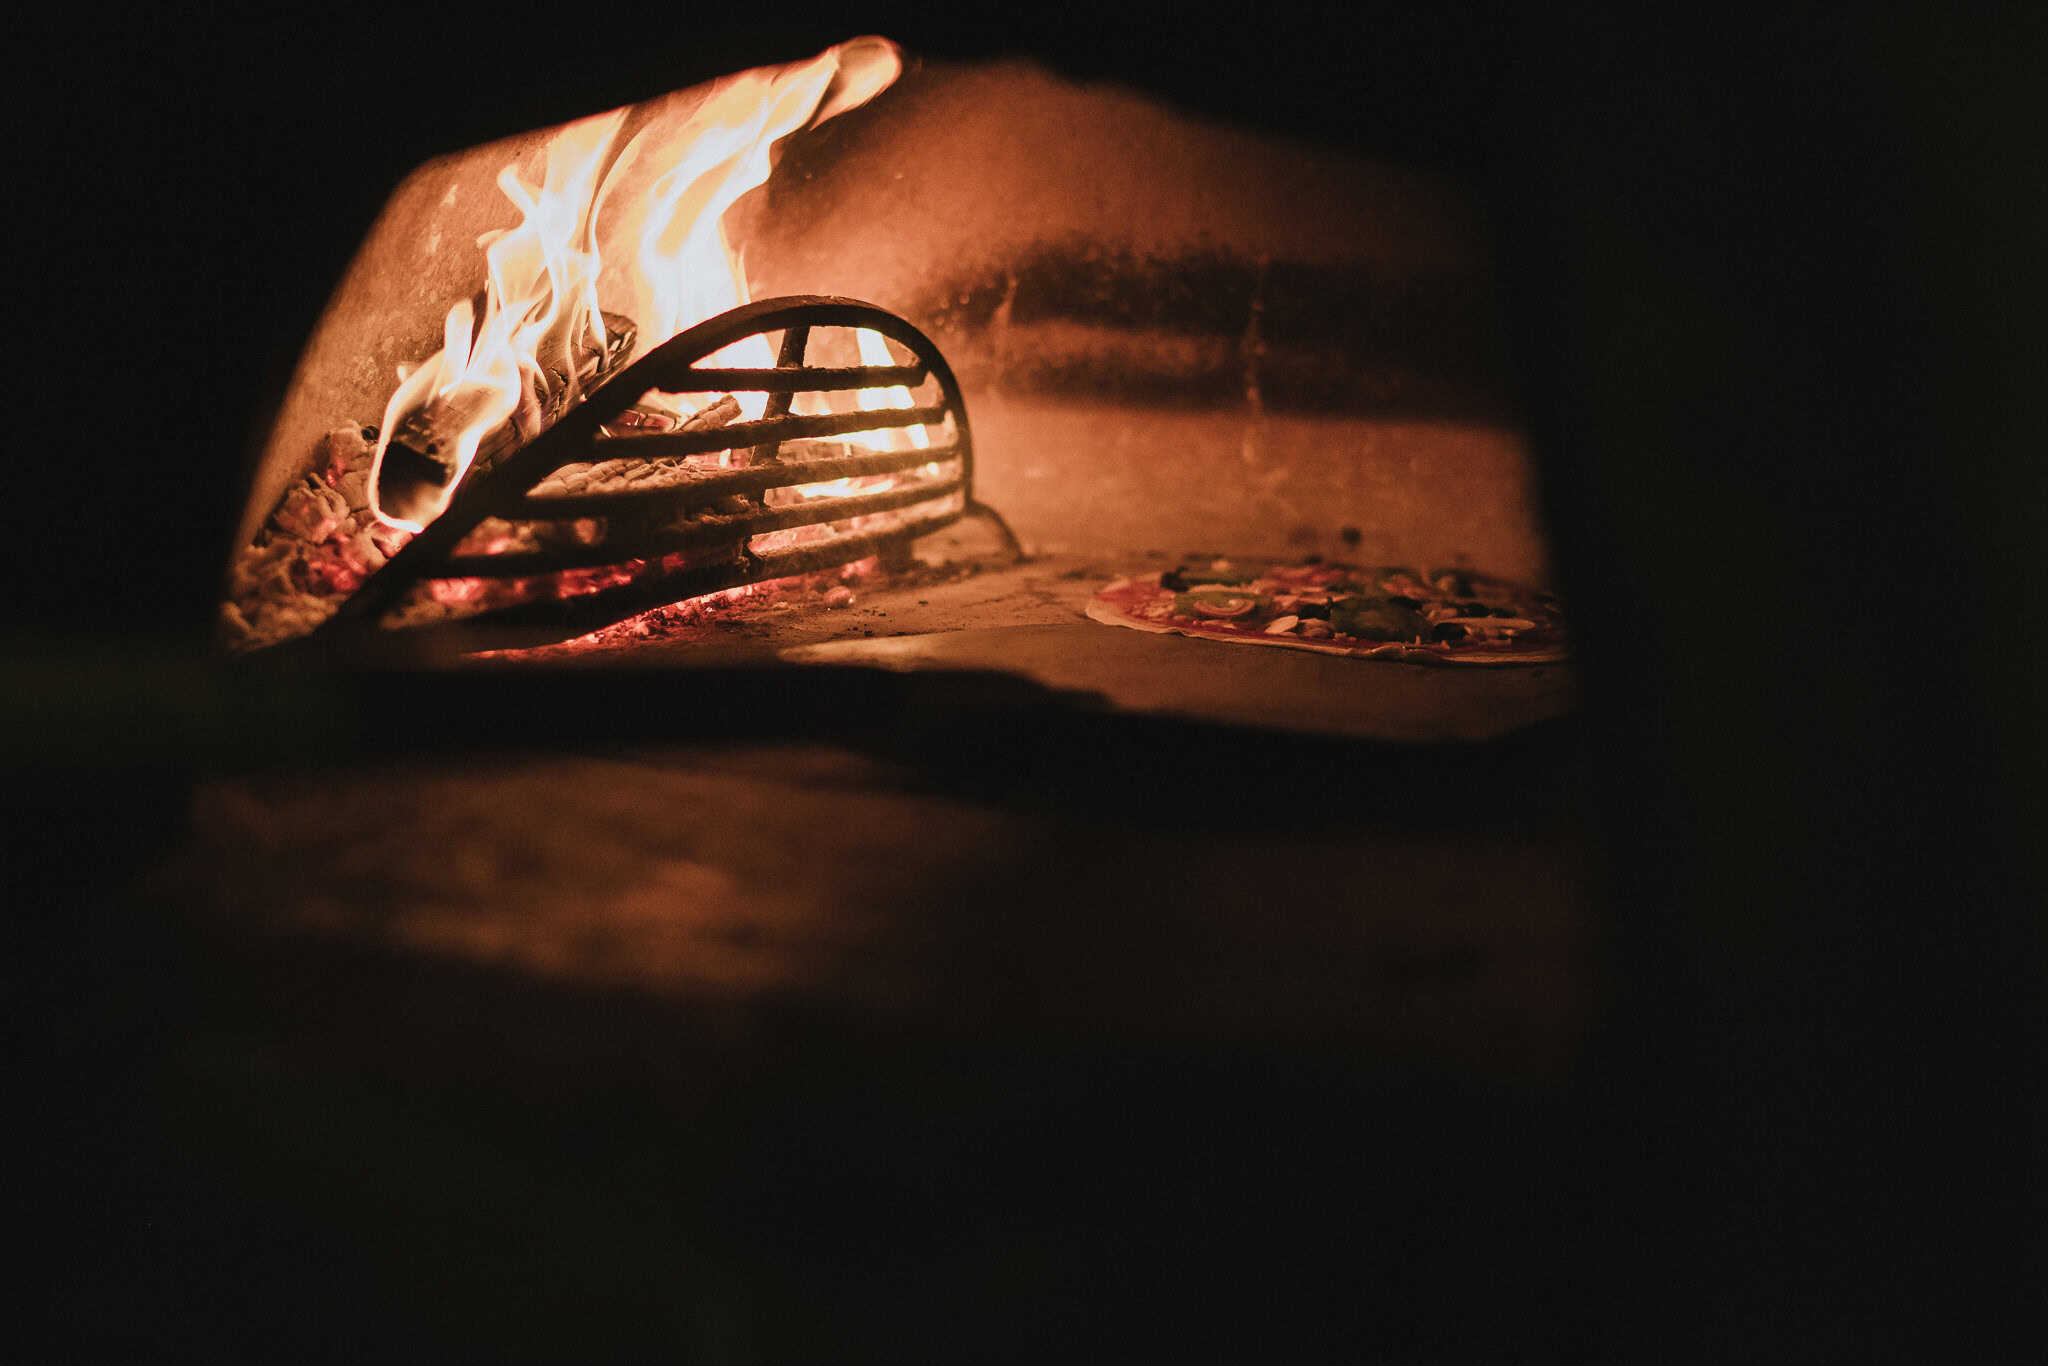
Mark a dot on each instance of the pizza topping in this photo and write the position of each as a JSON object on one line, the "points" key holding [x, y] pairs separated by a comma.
{"points": [[1402, 580], [1378, 619], [1219, 572], [1451, 581], [1216, 605], [1493, 621], [1216, 602], [1392, 612]]}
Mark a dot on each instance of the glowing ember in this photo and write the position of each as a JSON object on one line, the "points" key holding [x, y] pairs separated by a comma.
{"points": [[683, 620], [542, 312]]}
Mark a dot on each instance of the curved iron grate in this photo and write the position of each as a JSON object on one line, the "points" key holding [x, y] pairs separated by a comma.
{"points": [[689, 530]]}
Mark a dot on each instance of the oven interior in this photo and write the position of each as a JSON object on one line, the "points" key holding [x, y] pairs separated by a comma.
{"points": [[1176, 340]]}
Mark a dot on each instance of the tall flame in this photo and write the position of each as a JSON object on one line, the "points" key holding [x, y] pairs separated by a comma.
{"points": [[541, 299]]}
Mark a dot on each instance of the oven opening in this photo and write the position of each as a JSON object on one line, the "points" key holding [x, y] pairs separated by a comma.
{"points": [[874, 361]]}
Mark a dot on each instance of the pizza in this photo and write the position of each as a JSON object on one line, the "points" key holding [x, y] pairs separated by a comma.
{"points": [[1441, 616]]}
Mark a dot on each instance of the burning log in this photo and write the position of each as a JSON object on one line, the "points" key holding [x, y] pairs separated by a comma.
{"points": [[644, 419], [720, 414], [422, 461]]}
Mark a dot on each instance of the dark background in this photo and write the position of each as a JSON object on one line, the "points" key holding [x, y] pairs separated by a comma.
{"points": [[1776, 288]]}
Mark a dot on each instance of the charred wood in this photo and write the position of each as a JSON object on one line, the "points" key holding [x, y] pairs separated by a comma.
{"points": [[420, 462]]}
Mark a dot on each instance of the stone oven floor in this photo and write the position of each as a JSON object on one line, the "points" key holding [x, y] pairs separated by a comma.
{"points": [[966, 606]]}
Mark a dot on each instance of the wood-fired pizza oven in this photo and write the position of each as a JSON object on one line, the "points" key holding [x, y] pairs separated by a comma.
{"points": [[1171, 337], [629, 846]]}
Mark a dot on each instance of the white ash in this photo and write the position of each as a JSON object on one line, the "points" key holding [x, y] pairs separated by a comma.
{"points": [[319, 544]]}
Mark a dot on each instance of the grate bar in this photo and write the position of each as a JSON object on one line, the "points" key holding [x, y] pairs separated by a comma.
{"points": [[709, 530], [696, 488], [784, 379], [553, 619], [506, 489], [763, 431], [795, 338]]}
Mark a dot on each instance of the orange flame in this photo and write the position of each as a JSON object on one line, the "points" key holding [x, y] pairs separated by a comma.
{"points": [[875, 351], [679, 225], [541, 300]]}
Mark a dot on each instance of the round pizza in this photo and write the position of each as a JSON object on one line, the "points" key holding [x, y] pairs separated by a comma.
{"points": [[1442, 616]]}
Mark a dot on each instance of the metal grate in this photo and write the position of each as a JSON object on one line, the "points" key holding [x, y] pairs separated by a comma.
{"points": [[682, 530]]}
